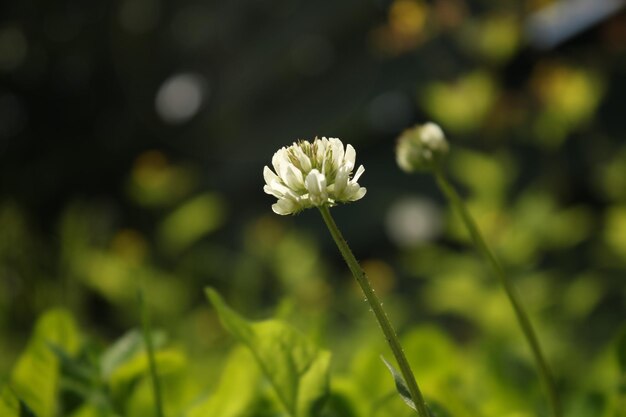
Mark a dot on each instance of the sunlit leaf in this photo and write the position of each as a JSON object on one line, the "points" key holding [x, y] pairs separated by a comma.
{"points": [[296, 368], [615, 229], [167, 361], [35, 377], [91, 410], [9, 404], [620, 349], [237, 391], [613, 175], [121, 351], [191, 221], [488, 176], [495, 37], [461, 106], [126, 349], [569, 96]]}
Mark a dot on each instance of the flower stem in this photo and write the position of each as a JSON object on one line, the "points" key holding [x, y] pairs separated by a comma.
{"points": [[522, 317], [145, 325], [379, 312]]}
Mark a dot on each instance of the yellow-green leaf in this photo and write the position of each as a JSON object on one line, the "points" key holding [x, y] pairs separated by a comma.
{"points": [[296, 368], [36, 375]]}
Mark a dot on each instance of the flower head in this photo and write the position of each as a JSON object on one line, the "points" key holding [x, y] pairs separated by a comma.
{"points": [[421, 148], [311, 174]]}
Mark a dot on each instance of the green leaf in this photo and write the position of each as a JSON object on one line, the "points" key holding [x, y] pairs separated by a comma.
{"points": [[191, 221], [401, 387], [25, 411], [621, 351], [238, 389], [35, 377], [297, 369], [167, 361], [125, 350], [76, 369], [9, 404], [122, 350]]}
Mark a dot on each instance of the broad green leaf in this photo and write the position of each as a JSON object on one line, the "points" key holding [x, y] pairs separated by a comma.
{"points": [[238, 389], [296, 368], [36, 375], [9, 404]]}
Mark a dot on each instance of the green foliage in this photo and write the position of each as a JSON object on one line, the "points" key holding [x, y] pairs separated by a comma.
{"points": [[9, 404], [35, 378], [296, 368], [238, 391], [189, 222], [537, 149]]}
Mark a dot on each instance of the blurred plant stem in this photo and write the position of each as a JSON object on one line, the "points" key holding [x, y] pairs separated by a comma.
{"points": [[147, 336], [379, 312], [522, 317]]}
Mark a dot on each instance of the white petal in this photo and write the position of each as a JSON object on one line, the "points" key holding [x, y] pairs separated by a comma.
{"points": [[271, 191], [359, 194], [269, 175], [337, 151], [276, 189], [321, 150], [292, 176], [350, 156], [279, 158], [316, 186], [341, 181], [279, 190], [358, 174], [284, 207], [305, 162], [315, 182]]}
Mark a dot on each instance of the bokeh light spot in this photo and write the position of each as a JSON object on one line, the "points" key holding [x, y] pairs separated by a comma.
{"points": [[411, 221], [180, 97]]}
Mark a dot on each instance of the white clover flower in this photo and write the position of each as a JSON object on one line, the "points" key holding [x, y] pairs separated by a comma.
{"points": [[421, 148], [312, 174]]}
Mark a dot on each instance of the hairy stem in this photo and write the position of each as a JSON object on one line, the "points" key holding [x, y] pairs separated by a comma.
{"points": [[379, 312], [509, 289]]}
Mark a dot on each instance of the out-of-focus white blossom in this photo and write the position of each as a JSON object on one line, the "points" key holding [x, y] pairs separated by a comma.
{"points": [[312, 174], [421, 148]]}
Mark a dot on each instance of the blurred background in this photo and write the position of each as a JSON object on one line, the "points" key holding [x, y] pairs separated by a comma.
{"points": [[133, 135]]}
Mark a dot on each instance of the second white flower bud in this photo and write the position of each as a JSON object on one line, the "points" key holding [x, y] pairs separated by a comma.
{"points": [[421, 148]]}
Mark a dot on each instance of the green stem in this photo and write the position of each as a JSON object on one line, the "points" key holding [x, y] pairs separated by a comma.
{"points": [[522, 317], [379, 312], [145, 325]]}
